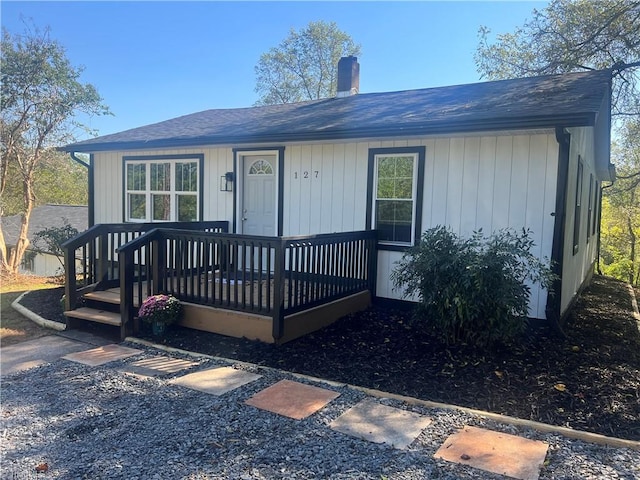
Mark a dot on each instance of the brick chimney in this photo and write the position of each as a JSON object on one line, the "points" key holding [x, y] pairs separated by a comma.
{"points": [[348, 76]]}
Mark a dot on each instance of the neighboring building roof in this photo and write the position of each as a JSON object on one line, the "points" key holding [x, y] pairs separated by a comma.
{"points": [[567, 100], [43, 217]]}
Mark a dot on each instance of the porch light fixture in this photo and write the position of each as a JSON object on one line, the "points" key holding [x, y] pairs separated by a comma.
{"points": [[226, 182]]}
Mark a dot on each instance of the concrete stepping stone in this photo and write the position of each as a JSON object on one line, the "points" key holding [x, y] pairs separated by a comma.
{"points": [[292, 399], [495, 452], [31, 353], [101, 355], [216, 381], [155, 366], [378, 423]]}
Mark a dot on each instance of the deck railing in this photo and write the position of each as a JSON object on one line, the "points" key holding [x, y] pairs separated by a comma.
{"points": [[96, 248], [272, 276]]}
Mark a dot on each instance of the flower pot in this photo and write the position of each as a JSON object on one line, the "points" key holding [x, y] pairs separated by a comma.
{"points": [[158, 328]]}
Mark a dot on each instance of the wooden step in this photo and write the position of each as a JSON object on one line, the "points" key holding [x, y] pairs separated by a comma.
{"points": [[93, 315], [107, 296]]}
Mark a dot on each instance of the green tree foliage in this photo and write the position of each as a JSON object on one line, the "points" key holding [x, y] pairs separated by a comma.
{"points": [[473, 290], [620, 229], [41, 96], [304, 65], [50, 240], [577, 35], [568, 36], [60, 181]]}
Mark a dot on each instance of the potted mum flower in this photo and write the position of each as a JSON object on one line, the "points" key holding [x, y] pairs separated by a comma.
{"points": [[160, 310]]}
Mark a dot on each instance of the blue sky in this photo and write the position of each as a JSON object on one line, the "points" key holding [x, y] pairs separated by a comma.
{"points": [[152, 61]]}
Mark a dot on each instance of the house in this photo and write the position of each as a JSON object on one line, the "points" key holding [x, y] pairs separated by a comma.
{"points": [[282, 181], [37, 260]]}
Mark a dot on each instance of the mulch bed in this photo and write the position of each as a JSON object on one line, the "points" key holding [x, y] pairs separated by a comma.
{"points": [[589, 380]]}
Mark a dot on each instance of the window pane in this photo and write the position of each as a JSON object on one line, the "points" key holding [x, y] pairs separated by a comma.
{"points": [[386, 167], [136, 176], [161, 177], [395, 177], [187, 208], [187, 177], [404, 188], [386, 188], [261, 167], [404, 167], [161, 207], [137, 206], [394, 220]]}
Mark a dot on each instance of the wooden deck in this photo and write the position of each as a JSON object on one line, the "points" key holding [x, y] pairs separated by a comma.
{"points": [[273, 280], [235, 323]]}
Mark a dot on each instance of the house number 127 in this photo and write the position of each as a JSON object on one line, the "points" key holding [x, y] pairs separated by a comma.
{"points": [[307, 174]]}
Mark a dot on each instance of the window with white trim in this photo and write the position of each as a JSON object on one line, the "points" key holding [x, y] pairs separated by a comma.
{"points": [[394, 198], [162, 190], [577, 218]]}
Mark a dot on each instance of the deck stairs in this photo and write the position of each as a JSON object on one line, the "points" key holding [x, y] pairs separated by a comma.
{"points": [[100, 306]]}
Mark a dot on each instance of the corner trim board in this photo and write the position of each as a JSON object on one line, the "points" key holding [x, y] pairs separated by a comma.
{"points": [[554, 299]]}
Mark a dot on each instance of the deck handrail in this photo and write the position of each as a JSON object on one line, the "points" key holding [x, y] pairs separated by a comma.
{"points": [[98, 259]]}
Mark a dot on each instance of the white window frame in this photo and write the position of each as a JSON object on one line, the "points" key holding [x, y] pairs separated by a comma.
{"points": [[172, 192], [414, 195]]}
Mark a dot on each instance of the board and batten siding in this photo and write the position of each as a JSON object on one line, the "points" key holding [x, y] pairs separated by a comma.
{"points": [[109, 196], [483, 181], [489, 182], [577, 267], [471, 182]]}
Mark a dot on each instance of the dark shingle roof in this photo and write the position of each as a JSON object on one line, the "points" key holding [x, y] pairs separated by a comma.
{"points": [[46, 216], [556, 100]]}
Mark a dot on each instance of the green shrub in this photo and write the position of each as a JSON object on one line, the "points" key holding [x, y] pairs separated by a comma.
{"points": [[473, 290], [50, 240]]}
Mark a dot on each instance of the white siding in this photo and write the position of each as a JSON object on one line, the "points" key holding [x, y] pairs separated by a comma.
{"points": [[47, 265], [109, 195], [471, 182], [577, 267]]}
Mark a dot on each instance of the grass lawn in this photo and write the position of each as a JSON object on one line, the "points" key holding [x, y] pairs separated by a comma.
{"points": [[14, 327]]}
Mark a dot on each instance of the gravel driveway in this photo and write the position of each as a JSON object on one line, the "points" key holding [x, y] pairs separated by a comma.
{"points": [[100, 423]]}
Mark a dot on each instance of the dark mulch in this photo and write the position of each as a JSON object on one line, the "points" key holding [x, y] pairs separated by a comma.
{"points": [[588, 381]]}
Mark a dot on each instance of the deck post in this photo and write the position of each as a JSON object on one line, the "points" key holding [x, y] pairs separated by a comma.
{"points": [[372, 256], [70, 290], [158, 264], [278, 291], [103, 258], [125, 263]]}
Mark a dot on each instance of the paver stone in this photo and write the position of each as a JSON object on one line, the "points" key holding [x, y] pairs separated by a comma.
{"points": [[216, 381], [495, 452], [292, 399], [378, 423]]}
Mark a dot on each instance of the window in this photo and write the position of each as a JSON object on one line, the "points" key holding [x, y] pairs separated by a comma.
{"points": [[596, 190], [590, 207], [394, 197], [28, 263], [162, 189], [261, 167], [577, 210]]}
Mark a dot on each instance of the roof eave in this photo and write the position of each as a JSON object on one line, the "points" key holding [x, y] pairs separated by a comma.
{"points": [[428, 128]]}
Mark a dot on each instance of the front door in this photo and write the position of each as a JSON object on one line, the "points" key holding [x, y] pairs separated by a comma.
{"points": [[259, 194]]}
